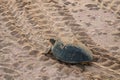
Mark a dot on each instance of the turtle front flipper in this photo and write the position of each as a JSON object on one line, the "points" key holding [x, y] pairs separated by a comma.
{"points": [[48, 51]]}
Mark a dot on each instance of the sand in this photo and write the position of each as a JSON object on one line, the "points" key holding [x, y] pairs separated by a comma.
{"points": [[26, 26]]}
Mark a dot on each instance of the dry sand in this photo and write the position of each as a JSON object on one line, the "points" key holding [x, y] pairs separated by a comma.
{"points": [[25, 26]]}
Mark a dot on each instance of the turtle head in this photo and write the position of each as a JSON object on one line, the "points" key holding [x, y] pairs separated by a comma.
{"points": [[52, 41]]}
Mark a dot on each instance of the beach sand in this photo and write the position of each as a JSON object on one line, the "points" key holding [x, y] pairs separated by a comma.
{"points": [[26, 26]]}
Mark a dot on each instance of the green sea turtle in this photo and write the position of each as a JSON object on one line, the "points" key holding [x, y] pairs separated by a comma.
{"points": [[70, 53]]}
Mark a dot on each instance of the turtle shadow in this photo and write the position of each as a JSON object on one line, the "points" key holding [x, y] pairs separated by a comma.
{"points": [[79, 65]]}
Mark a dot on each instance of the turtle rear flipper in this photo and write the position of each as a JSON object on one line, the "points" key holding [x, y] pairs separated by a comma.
{"points": [[82, 66]]}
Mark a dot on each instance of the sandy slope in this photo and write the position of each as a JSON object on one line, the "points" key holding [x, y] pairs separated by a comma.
{"points": [[25, 26]]}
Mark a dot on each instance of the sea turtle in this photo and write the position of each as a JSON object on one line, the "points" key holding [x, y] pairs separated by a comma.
{"points": [[70, 53]]}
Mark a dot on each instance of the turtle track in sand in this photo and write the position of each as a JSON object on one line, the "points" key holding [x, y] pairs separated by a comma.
{"points": [[112, 5], [107, 60], [21, 37], [27, 41], [67, 19], [45, 18], [17, 43]]}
